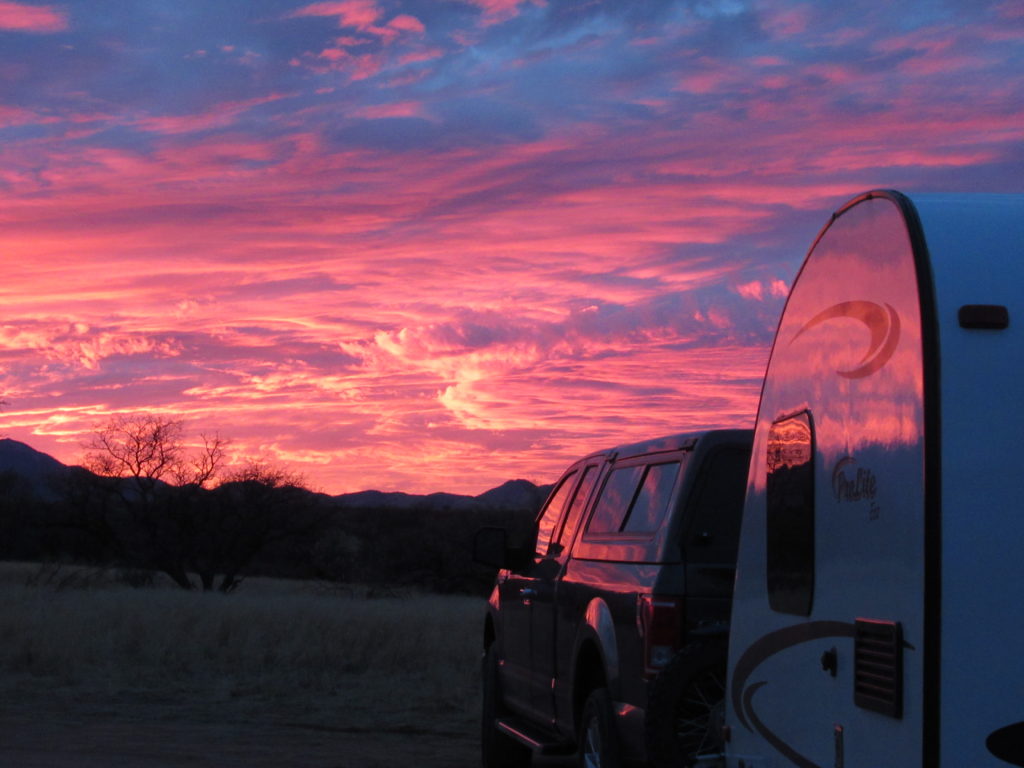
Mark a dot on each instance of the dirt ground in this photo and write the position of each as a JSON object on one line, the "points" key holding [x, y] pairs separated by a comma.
{"points": [[56, 737], [94, 743]]}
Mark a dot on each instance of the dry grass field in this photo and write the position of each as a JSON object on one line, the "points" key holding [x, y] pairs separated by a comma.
{"points": [[276, 674]]}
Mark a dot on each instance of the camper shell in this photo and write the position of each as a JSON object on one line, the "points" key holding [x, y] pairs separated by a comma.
{"points": [[879, 596]]}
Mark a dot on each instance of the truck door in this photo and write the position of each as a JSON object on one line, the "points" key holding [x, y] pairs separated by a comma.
{"points": [[518, 593], [545, 611]]}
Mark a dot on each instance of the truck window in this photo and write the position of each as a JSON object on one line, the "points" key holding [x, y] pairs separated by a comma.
{"points": [[552, 513], [579, 501], [716, 506], [615, 500], [652, 501], [790, 514]]}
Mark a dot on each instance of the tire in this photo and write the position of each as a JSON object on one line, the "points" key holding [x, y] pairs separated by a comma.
{"points": [[685, 707], [598, 740], [497, 749]]}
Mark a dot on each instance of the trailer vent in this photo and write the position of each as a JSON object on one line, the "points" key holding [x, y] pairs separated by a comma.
{"points": [[878, 666]]}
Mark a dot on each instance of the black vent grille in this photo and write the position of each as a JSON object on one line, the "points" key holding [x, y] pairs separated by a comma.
{"points": [[878, 666]]}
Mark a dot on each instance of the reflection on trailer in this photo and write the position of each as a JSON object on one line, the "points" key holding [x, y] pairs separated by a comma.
{"points": [[879, 599]]}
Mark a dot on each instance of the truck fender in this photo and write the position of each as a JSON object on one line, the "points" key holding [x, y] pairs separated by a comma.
{"points": [[598, 630]]}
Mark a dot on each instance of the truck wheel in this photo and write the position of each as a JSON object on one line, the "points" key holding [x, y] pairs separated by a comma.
{"points": [[599, 745], [685, 707], [498, 750]]}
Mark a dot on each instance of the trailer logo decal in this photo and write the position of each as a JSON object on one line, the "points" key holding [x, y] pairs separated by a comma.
{"points": [[860, 484], [851, 483], [882, 321]]}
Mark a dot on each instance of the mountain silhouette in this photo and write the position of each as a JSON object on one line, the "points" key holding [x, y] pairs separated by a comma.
{"points": [[43, 474], [40, 471]]}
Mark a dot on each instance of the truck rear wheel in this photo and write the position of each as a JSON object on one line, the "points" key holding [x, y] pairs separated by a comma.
{"points": [[685, 706], [498, 750], [599, 744]]}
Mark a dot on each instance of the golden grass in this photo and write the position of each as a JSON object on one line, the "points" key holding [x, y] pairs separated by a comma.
{"points": [[277, 650]]}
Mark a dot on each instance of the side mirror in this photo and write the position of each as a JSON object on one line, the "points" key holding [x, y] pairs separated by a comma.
{"points": [[490, 547]]}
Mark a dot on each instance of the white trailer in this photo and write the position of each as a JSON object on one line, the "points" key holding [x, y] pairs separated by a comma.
{"points": [[878, 613]]}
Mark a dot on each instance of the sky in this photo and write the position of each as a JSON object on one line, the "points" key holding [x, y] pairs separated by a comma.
{"points": [[433, 245]]}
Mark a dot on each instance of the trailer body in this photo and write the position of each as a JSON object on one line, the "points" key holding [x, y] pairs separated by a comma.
{"points": [[879, 597]]}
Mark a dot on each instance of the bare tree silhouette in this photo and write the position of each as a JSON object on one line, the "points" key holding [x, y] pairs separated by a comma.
{"points": [[150, 448], [161, 504]]}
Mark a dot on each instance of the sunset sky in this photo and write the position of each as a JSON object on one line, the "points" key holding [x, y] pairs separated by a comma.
{"points": [[428, 245]]}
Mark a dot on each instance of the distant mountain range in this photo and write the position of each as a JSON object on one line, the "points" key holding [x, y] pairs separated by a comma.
{"points": [[41, 471]]}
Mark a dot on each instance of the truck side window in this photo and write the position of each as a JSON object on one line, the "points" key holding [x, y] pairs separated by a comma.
{"points": [[578, 503], [616, 497], [655, 492], [790, 514], [552, 513]]}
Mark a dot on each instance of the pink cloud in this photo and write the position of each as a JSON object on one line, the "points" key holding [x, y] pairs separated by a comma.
{"points": [[10, 116], [935, 50], [32, 18], [1010, 10], [708, 75], [350, 13], [396, 109], [752, 290], [346, 57], [425, 54], [364, 16], [836, 74], [757, 290], [497, 11], [334, 54], [407, 23], [219, 116], [782, 22], [90, 352], [358, 66]]}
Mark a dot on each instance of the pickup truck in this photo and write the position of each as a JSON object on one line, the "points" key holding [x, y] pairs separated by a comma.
{"points": [[606, 630]]}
